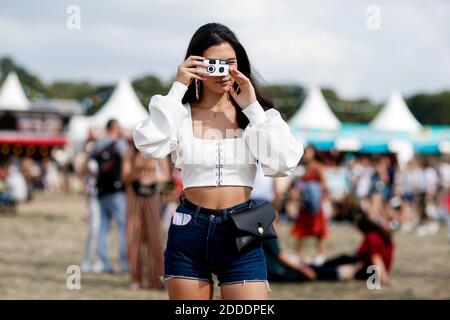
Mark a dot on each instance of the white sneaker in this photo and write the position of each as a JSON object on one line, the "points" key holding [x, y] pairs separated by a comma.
{"points": [[97, 266], [85, 267], [319, 260], [135, 286], [422, 231], [433, 227]]}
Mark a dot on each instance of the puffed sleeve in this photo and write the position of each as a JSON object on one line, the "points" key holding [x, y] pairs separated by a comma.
{"points": [[271, 142], [156, 136]]}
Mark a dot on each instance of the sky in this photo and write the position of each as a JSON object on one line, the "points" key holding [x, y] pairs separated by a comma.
{"points": [[359, 48]]}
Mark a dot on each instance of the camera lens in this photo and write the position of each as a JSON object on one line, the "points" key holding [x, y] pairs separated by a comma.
{"points": [[210, 69], [212, 61], [221, 69]]}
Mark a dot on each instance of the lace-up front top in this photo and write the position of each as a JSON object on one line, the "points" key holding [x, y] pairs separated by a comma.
{"points": [[208, 162]]}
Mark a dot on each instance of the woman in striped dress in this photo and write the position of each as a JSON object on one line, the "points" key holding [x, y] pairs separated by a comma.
{"points": [[145, 252]]}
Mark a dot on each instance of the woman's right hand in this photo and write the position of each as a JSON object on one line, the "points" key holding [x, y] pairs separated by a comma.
{"points": [[192, 67], [307, 271]]}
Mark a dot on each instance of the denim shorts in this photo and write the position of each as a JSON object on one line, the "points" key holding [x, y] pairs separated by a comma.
{"points": [[205, 245]]}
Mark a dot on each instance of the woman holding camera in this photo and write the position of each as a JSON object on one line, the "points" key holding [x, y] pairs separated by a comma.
{"points": [[217, 128]]}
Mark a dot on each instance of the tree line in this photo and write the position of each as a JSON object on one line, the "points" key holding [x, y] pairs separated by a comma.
{"points": [[428, 108]]}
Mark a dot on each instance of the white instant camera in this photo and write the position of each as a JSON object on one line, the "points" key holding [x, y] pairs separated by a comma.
{"points": [[217, 68]]}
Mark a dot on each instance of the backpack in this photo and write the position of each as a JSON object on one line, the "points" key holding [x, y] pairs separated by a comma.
{"points": [[109, 170]]}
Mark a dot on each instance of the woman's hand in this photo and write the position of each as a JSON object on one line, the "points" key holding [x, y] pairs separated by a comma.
{"points": [[192, 67], [308, 272], [246, 94]]}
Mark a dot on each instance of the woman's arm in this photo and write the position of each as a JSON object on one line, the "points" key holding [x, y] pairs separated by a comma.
{"points": [[300, 267], [156, 136], [268, 136]]}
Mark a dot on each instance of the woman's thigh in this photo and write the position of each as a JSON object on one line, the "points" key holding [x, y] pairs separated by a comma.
{"points": [[248, 290], [188, 289]]}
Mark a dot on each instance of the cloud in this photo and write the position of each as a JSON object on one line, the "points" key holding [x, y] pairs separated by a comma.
{"points": [[321, 42]]}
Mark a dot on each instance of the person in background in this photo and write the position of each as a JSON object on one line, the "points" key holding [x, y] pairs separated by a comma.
{"points": [[281, 267], [388, 195], [36, 174], [287, 202], [109, 153], [284, 266], [378, 191], [91, 260], [361, 176], [142, 176], [17, 184], [13, 187], [7, 203], [427, 199], [444, 191], [376, 249], [407, 185], [51, 178], [263, 189], [311, 220]]}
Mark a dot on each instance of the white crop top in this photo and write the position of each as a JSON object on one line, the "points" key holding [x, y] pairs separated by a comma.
{"points": [[208, 162]]}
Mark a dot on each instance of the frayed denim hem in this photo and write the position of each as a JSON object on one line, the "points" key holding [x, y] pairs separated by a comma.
{"points": [[244, 281], [164, 278]]}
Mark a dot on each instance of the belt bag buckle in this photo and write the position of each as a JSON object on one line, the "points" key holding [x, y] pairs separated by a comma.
{"points": [[253, 225]]}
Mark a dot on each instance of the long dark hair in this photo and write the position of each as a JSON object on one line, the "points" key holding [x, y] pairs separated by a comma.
{"points": [[365, 225], [317, 156], [212, 34]]}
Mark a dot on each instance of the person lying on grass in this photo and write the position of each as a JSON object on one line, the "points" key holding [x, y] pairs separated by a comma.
{"points": [[376, 249]]}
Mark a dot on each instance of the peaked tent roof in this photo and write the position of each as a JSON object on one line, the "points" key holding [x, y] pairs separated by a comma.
{"points": [[315, 113], [12, 96], [396, 116], [123, 105]]}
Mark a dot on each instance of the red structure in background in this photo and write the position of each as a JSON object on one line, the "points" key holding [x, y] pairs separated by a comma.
{"points": [[32, 128]]}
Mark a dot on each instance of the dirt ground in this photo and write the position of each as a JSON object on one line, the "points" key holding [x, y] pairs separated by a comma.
{"points": [[48, 235]]}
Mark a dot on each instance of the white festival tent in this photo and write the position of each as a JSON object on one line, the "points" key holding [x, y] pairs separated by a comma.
{"points": [[78, 131], [314, 113], [396, 116], [123, 105], [12, 96]]}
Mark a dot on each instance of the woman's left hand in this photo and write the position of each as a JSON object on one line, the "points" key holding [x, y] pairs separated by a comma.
{"points": [[246, 94]]}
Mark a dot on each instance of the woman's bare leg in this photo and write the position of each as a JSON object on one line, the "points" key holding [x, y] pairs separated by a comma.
{"points": [[189, 289], [299, 247], [250, 290], [320, 246]]}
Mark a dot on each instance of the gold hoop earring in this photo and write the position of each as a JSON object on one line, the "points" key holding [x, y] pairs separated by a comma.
{"points": [[197, 90]]}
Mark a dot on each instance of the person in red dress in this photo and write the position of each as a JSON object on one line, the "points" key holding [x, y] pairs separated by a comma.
{"points": [[310, 224]]}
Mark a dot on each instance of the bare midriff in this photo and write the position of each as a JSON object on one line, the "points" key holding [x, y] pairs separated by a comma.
{"points": [[218, 197]]}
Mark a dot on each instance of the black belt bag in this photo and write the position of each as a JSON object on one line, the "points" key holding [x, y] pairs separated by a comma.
{"points": [[143, 190], [254, 224]]}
